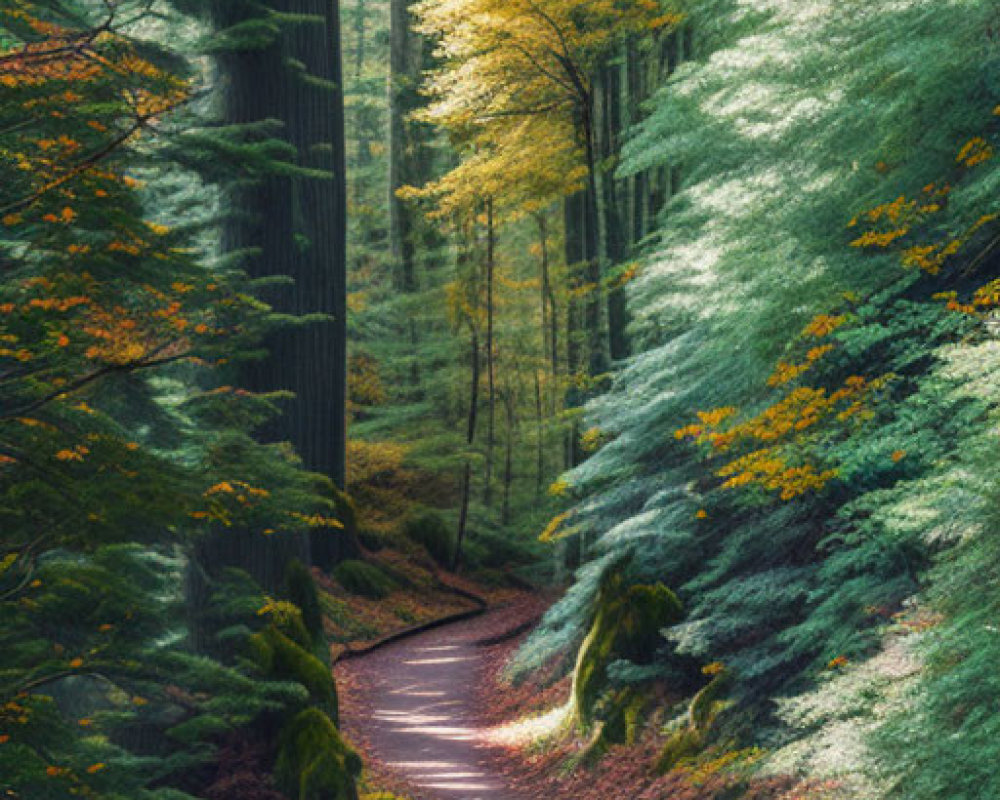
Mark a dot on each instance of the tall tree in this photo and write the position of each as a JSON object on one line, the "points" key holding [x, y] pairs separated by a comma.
{"points": [[285, 68]]}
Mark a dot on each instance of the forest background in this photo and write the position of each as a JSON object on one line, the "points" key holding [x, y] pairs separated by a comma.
{"points": [[621, 295]]}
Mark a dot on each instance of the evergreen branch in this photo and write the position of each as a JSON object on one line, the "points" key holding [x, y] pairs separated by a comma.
{"points": [[89, 162], [90, 377], [82, 41]]}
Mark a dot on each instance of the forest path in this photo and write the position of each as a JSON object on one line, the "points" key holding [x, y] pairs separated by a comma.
{"points": [[411, 708]]}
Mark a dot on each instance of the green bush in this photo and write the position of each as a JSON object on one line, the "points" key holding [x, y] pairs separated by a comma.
{"points": [[429, 529], [280, 658], [363, 579], [314, 762], [301, 590]]}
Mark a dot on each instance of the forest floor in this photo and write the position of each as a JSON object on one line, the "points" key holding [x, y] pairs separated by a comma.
{"points": [[435, 718], [412, 709]]}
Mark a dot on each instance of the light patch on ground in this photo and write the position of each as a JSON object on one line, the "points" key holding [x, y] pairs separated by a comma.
{"points": [[844, 711], [531, 729]]}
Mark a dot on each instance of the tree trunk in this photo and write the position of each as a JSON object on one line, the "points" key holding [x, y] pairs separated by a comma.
{"points": [[508, 466], [404, 77], [470, 438], [540, 436], [615, 245], [491, 436], [550, 311], [296, 225]]}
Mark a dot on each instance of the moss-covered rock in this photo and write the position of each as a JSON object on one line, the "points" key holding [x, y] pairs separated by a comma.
{"points": [[363, 579], [627, 625], [314, 762], [428, 529], [280, 658]]}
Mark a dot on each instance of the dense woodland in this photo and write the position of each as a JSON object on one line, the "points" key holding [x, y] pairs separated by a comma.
{"points": [[321, 320]]}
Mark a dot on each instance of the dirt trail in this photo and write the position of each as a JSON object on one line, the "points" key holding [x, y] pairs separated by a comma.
{"points": [[410, 708]]}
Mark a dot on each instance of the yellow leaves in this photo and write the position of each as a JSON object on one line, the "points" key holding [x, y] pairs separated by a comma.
{"points": [[317, 520], [239, 489], [282, 611], [776, 433], [10, 220], [560, 488], [785, 373], [823, 325], [976, 151], [357, 302], [665, 21], [769, 470], [554, 530], [630, 273], [879, 239], [372, 461], [701, 514], [591, 440], [93, 768], [76, 453], [709, 419]]}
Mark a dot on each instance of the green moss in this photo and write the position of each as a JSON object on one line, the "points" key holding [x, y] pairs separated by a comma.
{"points": [[693, 736], [301, 590], [366, 580], [705, 705], [279, 657], [627, 625], [314, 762], [681, 744], [429, 530]]}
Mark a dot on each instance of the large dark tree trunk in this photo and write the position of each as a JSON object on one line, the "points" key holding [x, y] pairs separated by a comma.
{"points": [[295, 226], [298, 225]]}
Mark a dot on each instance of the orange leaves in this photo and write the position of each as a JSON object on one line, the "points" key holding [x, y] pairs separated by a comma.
{"points": [[780, 428], [786, 373], [976, 151], [555, 528], [77, 453]]}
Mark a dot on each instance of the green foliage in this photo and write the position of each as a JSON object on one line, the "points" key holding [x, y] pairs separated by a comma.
{"points": [[121, 440], [280, 658], [811, 143], [429, 530], [314, 763], [364, 579], [301, 591]]}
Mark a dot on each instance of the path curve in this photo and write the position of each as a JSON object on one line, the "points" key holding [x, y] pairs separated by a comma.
{"points": [[410, 708]]}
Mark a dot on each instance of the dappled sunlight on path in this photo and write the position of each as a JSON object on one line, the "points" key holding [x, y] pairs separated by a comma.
{"points": [[410, 708]]}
